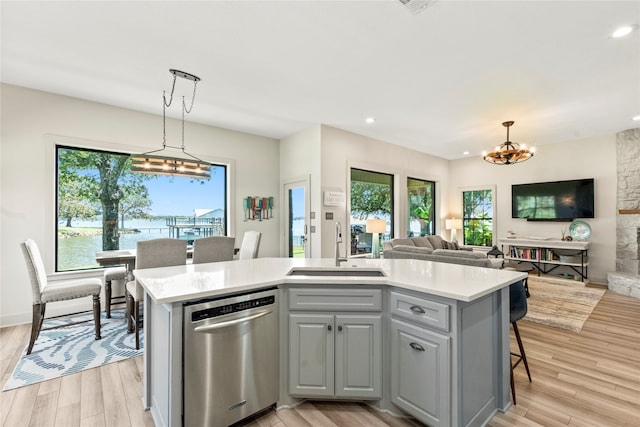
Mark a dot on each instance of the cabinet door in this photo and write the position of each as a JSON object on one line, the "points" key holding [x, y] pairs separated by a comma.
{"points": [[420, 373], [358, 356], [311, 348]]}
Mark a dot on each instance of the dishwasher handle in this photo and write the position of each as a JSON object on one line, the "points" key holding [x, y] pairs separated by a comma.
{"points": [[214, 326]]}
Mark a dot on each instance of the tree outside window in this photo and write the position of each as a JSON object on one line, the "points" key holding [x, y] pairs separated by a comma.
{"points": [[477, 217], [371, 197], [421, 199], [103, 205]]}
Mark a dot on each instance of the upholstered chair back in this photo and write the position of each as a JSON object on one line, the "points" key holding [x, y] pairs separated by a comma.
{"points": [[35, 267], [213, 249]]}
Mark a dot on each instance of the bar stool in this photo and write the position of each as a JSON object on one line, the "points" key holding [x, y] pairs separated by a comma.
{"points": [[111, 274], [518, 309]]}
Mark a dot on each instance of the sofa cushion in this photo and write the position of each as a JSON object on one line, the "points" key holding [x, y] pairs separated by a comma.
{"points": [[462, 254], [413, 249], [436, 242], [422, 242], [403, 242]]}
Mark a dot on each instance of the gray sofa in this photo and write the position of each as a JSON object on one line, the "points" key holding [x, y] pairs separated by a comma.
{"points": [[434, 248]]}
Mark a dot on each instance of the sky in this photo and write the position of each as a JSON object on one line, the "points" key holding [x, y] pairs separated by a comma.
{"points": [[178, 196]]}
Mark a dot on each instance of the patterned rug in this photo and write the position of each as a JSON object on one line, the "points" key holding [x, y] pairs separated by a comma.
{"points": [[64, 351], [561, 304]]}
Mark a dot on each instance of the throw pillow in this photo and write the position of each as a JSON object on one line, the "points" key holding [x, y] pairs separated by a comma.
{"points": [[450, 245]]}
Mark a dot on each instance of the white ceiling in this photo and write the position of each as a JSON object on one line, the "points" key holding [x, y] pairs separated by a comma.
{"points": [[441, 81]]}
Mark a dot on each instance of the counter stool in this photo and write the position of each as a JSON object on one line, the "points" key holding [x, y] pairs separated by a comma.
{"points": [[524, 268], [518, 309], [110, 274]]}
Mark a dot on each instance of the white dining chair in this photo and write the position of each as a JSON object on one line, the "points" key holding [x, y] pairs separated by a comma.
{"points": [[250, 245], [45, 292], [213, 249], [153, 253]]}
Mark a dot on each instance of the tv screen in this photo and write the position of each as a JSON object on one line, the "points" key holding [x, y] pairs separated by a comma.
{"points": [[558, 200]]}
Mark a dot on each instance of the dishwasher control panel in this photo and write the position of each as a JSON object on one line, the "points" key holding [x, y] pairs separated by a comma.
{"points": [[222, 310]]}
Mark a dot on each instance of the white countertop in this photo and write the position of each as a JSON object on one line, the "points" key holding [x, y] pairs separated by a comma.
{"points": [[189, 282]]}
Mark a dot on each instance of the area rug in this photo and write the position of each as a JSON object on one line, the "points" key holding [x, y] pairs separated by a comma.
{"points": [[561, 304], [64, 351]]}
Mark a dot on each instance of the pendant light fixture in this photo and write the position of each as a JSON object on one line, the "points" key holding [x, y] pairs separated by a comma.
{"points": [[152, 163], [508, 152]]}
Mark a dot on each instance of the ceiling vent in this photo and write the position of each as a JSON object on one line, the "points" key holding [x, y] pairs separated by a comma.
{"points": [[416, 6]]}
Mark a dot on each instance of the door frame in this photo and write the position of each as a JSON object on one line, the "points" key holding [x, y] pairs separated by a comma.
{"points": [[300, 181]]}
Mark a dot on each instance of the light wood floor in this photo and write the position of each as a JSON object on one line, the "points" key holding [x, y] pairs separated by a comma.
{"points": [[586, 379]]}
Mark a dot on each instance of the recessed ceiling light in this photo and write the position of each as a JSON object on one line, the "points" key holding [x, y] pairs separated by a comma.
{"points": [[370, 120], [623, 31], [637, 118], [465, 153]]}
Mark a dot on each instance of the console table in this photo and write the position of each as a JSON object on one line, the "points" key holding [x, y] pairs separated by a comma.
{"points": [[547, 255]]}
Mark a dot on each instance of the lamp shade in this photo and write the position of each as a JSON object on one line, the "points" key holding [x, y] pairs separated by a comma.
{"points": [[453, 224], [376, 226]]}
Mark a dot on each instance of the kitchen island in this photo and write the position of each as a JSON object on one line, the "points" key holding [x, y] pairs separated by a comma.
{"points": [[429, 339]]}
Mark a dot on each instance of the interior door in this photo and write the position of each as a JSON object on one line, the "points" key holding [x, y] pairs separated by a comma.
{"points": [[297, 230]]}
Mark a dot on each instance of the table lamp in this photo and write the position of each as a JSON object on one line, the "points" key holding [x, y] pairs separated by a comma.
{"points": [[453, 225], [375, 227]]}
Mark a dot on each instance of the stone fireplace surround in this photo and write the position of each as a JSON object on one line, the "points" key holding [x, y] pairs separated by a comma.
{"points": [[626, 278]]}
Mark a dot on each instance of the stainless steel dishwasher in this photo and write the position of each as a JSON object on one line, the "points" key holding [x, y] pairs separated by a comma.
{"points": [[230, 355]]}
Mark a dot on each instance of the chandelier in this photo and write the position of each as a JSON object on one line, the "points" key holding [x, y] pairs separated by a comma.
{"points": [[152, 163], [508, 152]]}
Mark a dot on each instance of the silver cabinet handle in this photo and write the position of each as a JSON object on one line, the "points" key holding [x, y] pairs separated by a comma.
{"points": [[416, 309], [214, 326], [416, 346]]}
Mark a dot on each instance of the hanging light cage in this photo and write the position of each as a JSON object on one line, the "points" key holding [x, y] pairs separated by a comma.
{"points": [[151, 163], [508, 152]]}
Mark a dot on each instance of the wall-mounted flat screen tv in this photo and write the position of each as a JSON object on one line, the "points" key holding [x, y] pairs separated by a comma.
{"points": [[553, 201]]}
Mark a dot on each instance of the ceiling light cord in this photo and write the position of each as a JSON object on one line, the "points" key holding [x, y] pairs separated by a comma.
{"points": [[154, 164]]}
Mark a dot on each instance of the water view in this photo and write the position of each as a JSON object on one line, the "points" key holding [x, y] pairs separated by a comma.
{"points": [[79, 252]]}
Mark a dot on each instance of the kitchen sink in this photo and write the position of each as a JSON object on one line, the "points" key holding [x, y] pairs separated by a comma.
{"points": [[336, 272]]}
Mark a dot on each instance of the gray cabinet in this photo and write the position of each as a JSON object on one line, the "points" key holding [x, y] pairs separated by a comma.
{"points": [[311, 350], [335, 354], [420, 372]]}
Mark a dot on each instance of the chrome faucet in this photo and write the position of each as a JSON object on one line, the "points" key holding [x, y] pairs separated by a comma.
{"points": [[338, 241]]}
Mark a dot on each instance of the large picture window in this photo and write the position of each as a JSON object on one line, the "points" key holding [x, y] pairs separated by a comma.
{"points": [[103, 205], [371, 198], [477, 217], [421, 196]]}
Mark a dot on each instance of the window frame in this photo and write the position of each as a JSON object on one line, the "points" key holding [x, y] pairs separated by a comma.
{"points": [[492, 189], [433, 205], [393, 214], [73, 144]]}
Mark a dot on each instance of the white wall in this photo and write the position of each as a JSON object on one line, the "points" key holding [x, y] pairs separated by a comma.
{"points": [[342, 150], [589, 158], [300, 159], [31, 121]]}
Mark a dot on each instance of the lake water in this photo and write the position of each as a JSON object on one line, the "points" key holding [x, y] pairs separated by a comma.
{"points": [[80, 252]]}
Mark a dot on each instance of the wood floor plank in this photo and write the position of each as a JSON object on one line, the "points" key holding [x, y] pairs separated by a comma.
{"points": [[46, 405], [70, 386], [91, 397], [132, 383], [313, 415], [68, 415], [22, 406], [290, 417], [340, 414], [115, 403]]}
